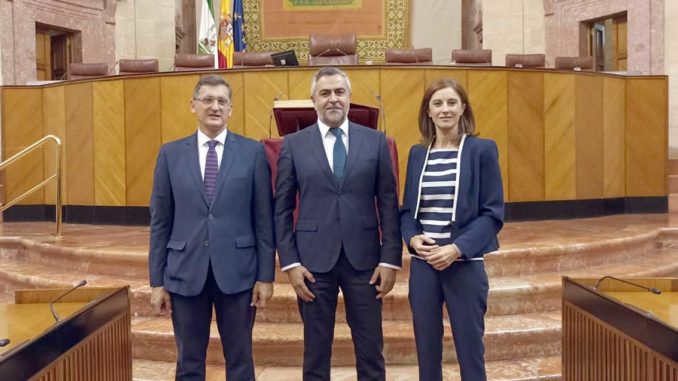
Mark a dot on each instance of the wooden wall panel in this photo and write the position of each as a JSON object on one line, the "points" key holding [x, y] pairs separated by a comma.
{"points": [[614, 125], [79, 174], [261, 88], [237, 121], [365, 89], [458, 74], [54, 123], [526, 135], [177, 119], [646, 136], [560, 180], [589, 131], [402, 91], [142, 137], [488, 92], [109, 143], [299, 83]]}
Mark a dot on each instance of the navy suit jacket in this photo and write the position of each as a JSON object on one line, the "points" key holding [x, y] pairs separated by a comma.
{"points": [[234, 233], [480, 198], [333, 214]]}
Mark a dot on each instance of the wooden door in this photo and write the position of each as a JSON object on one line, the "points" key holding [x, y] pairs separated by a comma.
{"points": [[622, 43], [43, 68]]}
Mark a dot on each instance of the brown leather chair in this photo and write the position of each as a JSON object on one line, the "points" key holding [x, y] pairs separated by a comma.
{"points": [[472, 57], [409, 56], [87, 70], [252, 59], [187, 62], [337, 49], [574, 63], [526, 60], [127, 66]]}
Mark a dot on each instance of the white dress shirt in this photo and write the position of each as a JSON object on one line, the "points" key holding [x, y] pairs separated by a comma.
{"points": [[203, 147]]}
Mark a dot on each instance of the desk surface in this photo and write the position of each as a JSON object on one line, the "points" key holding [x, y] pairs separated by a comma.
{"points": [[22, 322], [663, 307]]}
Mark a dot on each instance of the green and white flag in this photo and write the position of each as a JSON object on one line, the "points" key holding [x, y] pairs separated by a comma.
{"points": [[207, 35]]}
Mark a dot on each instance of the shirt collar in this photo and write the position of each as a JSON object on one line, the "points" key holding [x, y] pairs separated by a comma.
{"points": [[324, 129], [203, 139]]}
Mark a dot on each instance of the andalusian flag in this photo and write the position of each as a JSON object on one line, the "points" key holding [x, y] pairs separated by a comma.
{"points": [[226, 36], [207, 36]]}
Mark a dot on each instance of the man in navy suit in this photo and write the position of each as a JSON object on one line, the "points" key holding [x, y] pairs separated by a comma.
{"points": [[347, 191], [212, 240]]}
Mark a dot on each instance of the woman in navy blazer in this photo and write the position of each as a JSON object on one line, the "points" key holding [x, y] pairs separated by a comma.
{"points": [[453, 208]]}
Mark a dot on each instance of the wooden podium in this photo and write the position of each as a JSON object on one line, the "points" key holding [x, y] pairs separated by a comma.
{"points": [[619, 332], [92, 342]]}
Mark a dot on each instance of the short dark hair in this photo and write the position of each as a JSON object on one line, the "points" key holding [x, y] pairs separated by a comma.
{"points": [[467, 124], [326, 72], [211, 80]]}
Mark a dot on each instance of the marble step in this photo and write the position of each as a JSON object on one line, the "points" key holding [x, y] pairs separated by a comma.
{"points": [[513, 259], [507, 337], [539, 369]]}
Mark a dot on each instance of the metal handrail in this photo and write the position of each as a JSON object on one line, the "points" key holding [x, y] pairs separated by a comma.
{"points": [[57, 175]]}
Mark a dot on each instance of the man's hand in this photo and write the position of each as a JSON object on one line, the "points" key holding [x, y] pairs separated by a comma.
{"points": [[297, 275], [384, 278], [442, 257], [423, 245], [161, 302], [262, 292]]}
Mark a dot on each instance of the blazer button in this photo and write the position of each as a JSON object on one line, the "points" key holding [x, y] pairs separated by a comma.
{"points": [[207, 243], [211, 216]]}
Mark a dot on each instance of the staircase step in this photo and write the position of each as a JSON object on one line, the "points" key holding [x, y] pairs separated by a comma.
{"points": [[672, 167], [281, 344], [539, 369]]}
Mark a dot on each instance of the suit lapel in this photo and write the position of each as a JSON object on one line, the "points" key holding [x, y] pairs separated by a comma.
{"points": [[315, 143], [354, 143], [227, 159], [193, 162]]}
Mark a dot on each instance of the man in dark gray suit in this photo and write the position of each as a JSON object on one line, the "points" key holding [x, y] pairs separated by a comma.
{"points": [[347, 191], [212, 241]]}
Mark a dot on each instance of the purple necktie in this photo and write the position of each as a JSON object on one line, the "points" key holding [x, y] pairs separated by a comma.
{"points": [[211, 170]]}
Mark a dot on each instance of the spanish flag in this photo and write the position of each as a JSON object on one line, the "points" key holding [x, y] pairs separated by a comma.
{"points": [[225, 36]]}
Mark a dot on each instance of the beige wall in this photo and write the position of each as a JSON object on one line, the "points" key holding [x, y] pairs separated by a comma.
{"points": [[145, 29], [671, 65], [512, 26], [436, 24]]}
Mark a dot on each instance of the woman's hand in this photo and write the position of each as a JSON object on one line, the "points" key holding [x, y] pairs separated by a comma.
{"points": [[423, 245], [442, 257]]}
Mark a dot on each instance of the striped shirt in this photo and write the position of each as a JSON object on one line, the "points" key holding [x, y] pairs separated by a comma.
{"points": [[438, 189]]}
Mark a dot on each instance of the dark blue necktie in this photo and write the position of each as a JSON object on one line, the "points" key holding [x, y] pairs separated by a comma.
{"points": [[211, 169], [338, 154]]}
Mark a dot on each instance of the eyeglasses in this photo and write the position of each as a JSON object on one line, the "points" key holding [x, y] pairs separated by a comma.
{"points": [[208, 101]]}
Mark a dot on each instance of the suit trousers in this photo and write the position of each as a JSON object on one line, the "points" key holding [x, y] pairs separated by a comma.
{"points": [[463, 287], [191, 318], [363, 314]]}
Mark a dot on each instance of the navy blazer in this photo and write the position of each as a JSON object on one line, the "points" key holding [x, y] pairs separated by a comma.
{"points": [[235, 232], [333, 214], [479, 197]]}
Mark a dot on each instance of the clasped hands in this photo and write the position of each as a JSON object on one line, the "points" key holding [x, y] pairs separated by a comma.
{"points": [[439, 257], [383, 280]]}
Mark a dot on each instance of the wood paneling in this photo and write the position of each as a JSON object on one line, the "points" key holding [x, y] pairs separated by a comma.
{"points": [[614, 125], [299, 83], [54, 123], [109, 143], [526, 135], [487, 92], [142, 137], [589, 141], [21, 127], [560, 180], [646, 136], [79, 173], [237, 121], [175, 94], [458, 74], [261, 89]]}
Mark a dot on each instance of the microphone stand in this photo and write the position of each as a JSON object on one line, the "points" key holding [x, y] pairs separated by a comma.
{"points": [[51, 304], [653, 290]]}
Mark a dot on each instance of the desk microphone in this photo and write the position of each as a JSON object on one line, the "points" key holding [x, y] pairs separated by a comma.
{"points": [[51, 304], [4, 342], [649, 289]]}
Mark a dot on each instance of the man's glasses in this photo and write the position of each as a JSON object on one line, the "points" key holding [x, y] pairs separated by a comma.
{"points": [[208, 101]]}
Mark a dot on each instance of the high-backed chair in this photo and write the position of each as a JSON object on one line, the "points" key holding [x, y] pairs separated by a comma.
{"points": [[87, 70], [335, 49], [409, 56], [526, 60], [252, 59], [574, 63], [472, 57], [187, 62], [127, 66]]}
